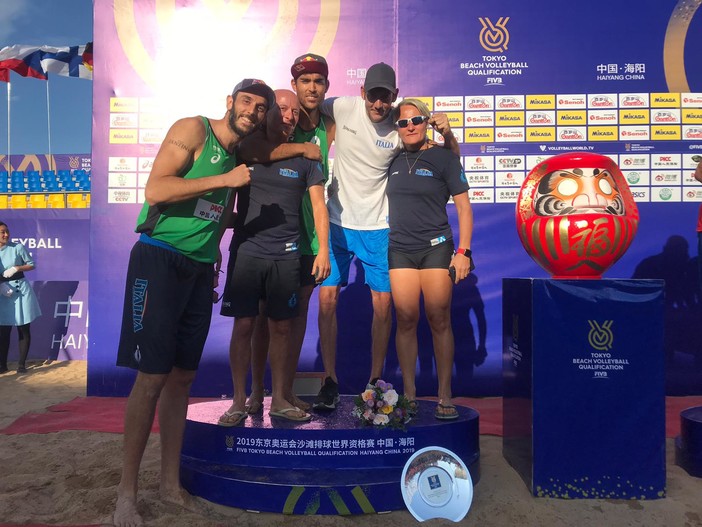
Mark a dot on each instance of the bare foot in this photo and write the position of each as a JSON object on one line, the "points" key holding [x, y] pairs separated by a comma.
{"points": [[302, 405], [181, 498], [126, 514], [254, 404]]}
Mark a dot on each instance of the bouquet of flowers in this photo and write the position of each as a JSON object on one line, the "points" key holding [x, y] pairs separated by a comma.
{"points": [[382, 406]]}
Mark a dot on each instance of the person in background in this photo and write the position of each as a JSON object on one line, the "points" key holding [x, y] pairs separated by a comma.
{"points": [[421, 254], [18, 303]]}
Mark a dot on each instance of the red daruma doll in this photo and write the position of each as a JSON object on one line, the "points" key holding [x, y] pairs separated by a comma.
{"points": [[576, 215]]}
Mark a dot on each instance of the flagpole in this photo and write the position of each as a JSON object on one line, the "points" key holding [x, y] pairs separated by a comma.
{"points": [[48, 122], [9, 163]]}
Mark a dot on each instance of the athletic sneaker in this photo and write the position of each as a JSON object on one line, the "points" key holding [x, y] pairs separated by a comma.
{"points": [[328, 396]]}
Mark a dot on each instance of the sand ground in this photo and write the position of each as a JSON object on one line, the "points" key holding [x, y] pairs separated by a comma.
{"points": [[70, 478]]}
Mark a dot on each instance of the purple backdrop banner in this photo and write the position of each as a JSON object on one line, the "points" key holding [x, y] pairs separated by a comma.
{"points": [[519, 81]]}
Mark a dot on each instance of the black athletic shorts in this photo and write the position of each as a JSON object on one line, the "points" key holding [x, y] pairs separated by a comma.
{"points": [[437, 257], [167, 310], [306, 276], [277, 282]]}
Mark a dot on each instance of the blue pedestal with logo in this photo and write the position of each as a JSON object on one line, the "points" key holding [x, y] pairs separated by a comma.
{"points": [[584, 392], [330, 465]]}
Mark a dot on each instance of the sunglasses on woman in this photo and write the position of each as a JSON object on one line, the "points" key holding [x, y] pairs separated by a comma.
{"points": [[416, 121]]}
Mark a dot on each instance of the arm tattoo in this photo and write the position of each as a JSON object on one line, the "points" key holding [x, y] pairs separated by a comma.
{"points": [[181, 144]]}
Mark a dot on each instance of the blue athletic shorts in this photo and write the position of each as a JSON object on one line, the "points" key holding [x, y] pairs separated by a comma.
{"points": [[370, 247]]}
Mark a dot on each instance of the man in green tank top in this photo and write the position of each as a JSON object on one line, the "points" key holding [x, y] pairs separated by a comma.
{"points": [[188, 201]]}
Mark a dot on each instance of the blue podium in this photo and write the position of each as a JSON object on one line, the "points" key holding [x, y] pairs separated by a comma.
{"points": [[688, 445], [330, 465], [584, 387]]}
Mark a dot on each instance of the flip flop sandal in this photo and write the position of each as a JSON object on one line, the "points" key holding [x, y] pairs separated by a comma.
{"points": [[232, 418], [449, 412], [290, 414]]}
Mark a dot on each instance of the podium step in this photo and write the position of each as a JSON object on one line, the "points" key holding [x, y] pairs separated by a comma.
{"points": [[330, 465]]}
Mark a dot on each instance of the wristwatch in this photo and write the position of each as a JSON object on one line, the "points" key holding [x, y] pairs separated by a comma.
{"points": [[465, 252]]}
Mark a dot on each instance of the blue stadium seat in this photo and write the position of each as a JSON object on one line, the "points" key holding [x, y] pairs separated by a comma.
{"points": [[33, 177], [18, 186], [84, 184], [52, 185], [35, 186], [48, 175], [17, 175]]}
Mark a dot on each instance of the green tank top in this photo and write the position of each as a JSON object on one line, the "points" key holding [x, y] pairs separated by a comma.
{"points": [[309, 244], [191, 227]]}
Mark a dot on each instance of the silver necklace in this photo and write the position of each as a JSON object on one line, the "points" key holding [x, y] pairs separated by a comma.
{"points": [[410, 167]]}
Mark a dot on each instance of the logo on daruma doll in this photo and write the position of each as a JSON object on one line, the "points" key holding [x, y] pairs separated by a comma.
{"points": [[575, 215]]}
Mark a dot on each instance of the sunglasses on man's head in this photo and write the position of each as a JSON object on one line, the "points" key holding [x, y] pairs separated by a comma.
{"points": [[416, 121]]}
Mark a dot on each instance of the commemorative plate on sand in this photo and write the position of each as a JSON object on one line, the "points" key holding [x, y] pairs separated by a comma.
{"points": [[436, 484]]}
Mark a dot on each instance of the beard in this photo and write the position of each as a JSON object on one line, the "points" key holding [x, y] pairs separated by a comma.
{"points": [[233, 118]]}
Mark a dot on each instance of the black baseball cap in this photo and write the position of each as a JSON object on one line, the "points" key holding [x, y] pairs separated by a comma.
{"points": [[380, 75], [257, 87]]}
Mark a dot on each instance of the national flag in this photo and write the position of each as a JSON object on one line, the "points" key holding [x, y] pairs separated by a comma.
{"points": [[24, 60], [38, 61], [73, 61]]}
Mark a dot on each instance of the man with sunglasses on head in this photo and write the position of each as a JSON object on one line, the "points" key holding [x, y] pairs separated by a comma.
{"points": [[366, 142]]}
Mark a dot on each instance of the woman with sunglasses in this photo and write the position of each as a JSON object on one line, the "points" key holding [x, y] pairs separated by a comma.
{"points": [[421, 255]]}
